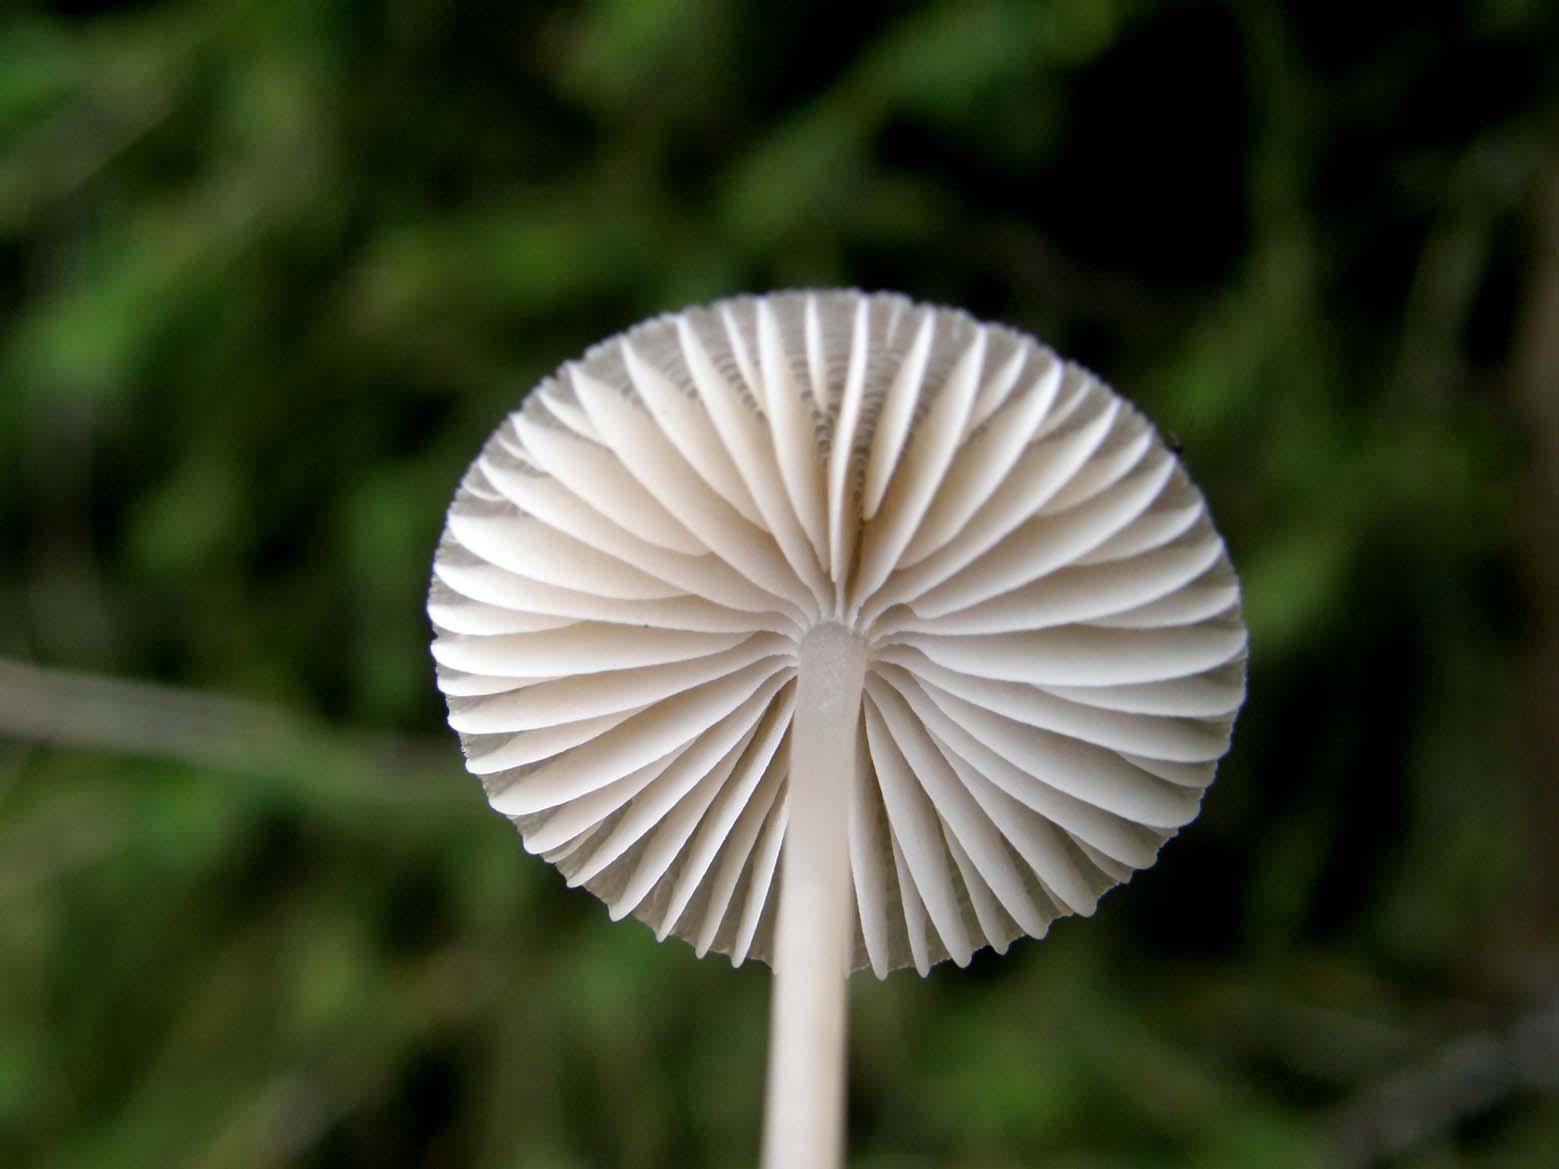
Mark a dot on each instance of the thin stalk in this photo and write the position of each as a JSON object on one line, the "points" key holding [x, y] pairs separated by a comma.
{"points": [[804, 1111]]}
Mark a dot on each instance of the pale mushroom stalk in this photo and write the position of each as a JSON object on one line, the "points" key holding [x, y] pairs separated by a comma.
{"points": [[804, 1113]]}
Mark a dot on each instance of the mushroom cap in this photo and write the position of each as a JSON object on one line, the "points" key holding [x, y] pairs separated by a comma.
{"points": [[1055, 649]]}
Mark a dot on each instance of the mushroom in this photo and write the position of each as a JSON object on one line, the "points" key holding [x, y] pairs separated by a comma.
{"points": [[835, 630]]}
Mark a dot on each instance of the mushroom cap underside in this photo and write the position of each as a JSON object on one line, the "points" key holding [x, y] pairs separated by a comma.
{"points": [[1055, 649]]}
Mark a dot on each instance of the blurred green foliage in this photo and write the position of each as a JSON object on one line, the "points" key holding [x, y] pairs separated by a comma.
{"points": [[270, 270]]}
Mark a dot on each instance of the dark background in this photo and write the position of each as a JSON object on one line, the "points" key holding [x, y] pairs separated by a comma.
{"points": [[271, 270]]}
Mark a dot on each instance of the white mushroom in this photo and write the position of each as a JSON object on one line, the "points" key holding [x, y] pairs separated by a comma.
{"points": [[892, 603]]}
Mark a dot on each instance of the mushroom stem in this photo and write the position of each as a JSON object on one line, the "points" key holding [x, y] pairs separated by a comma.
{"points": [[804, 1112]]}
